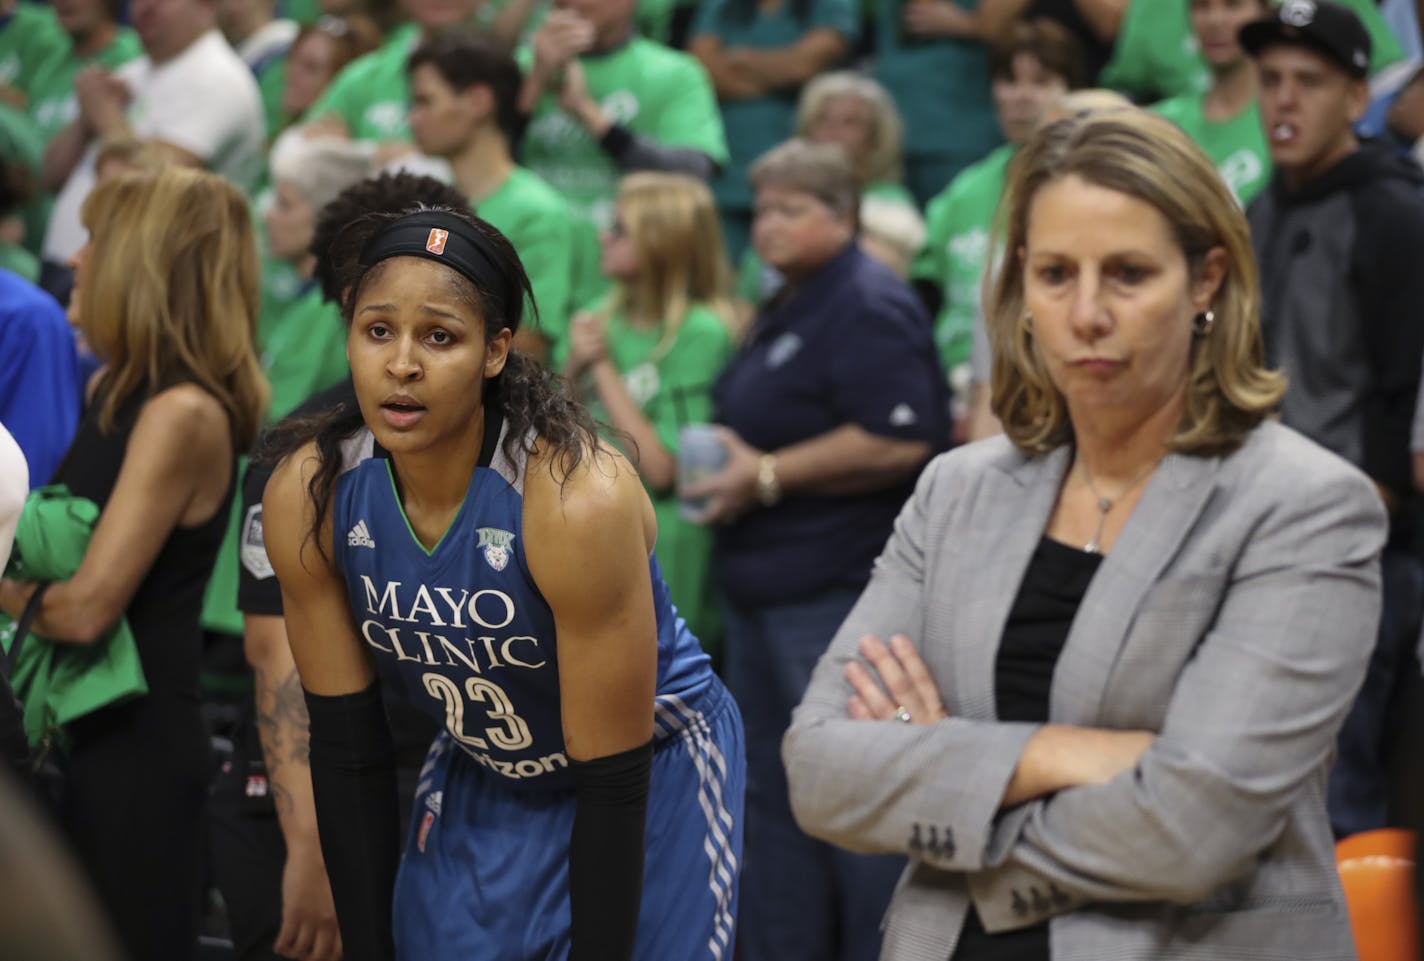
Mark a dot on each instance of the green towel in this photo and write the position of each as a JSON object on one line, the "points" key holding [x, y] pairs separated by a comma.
{"points": [[55, 682]]}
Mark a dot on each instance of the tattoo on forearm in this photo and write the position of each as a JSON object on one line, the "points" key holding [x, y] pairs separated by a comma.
{"points": [[281, 798], [290, 710], [268, 729]]}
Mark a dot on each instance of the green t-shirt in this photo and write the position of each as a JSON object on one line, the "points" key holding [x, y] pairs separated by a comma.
{"points": [[755, 126], [1156, 54], [278, 289], [20, 261], [29, 37], [940, 86], [371, 94], [271, 83], [650, 89], [673, 390], [958, 226], [304, 350], [53, 105], [52, 102], [537, 222], [1237, 146]]}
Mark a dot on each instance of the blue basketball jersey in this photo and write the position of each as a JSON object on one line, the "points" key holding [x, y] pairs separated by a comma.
{"points": [[461, 630]]}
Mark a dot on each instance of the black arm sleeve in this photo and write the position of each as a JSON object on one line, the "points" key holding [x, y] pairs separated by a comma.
{"points": [[353, 766], [606, 854], [632, 151]]}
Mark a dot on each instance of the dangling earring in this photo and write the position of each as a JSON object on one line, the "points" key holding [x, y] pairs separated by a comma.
{"points": [[1204, 323], [1028, 321]]}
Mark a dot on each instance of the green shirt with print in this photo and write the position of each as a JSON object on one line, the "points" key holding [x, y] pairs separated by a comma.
{"points": [[672, 386], [371, 94], [756, 125], [1237, 146], [649, 89], [1157, 56], [536, 220], [959, 223], [28, 38]]}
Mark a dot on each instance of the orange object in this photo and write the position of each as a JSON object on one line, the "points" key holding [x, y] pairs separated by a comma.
{"points": [[1377, 871]]}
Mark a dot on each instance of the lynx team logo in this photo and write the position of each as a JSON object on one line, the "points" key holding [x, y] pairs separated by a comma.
{"points": [[435, 243], [496, 544]]}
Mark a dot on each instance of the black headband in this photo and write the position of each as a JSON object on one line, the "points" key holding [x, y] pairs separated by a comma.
{"points": [[446, 239]]}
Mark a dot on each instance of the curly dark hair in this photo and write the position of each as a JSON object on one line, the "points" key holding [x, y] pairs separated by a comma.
{"points": [[393, 193], [535, 403]]}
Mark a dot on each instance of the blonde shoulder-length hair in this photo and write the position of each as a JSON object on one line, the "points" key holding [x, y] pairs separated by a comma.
{"points": [[884, 161], [1229, 389], [671, 221], [171, 291]]}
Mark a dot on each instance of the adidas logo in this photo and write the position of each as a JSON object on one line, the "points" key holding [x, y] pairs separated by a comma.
{"points": [[359, 536], [902, 416]]}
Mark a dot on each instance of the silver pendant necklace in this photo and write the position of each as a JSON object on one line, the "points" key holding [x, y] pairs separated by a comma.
{"points": [[1106, 504]]}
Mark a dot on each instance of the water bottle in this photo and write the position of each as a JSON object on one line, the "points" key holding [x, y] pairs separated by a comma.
{"points": [[700, 455]]}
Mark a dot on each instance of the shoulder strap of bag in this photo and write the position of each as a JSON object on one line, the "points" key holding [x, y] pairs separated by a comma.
{"points": [[22, 627]]}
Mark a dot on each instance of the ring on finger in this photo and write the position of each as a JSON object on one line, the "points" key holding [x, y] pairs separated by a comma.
{"points": [[902, 714]]}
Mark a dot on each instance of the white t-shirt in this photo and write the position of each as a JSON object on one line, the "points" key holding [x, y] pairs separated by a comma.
{"points": [[271, 40], [14, 488], [204, 100]]}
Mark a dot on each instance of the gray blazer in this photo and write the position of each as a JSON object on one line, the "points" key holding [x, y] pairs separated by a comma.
{"points": [[1234, 616]]}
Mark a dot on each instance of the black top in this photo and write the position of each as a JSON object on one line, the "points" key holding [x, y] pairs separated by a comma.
{"points": [[1053, 587], [163, 614]]}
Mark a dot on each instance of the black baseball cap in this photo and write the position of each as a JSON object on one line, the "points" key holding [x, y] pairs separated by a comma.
{"points": [[1327, 28]]}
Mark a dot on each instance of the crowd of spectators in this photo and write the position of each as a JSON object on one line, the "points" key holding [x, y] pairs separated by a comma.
{"points": [[776, 216]]}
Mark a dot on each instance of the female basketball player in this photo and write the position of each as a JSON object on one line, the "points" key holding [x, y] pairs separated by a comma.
{"points": [[465, 536]]}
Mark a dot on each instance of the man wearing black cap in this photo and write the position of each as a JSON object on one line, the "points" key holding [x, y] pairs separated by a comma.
{"points": [[1337, 236]]}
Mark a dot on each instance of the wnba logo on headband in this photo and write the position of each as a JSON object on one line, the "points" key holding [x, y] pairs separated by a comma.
{"points": [[467, 247]]}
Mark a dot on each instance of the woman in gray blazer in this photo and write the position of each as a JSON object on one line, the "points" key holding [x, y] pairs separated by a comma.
{"points": [[1122, 637]]}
